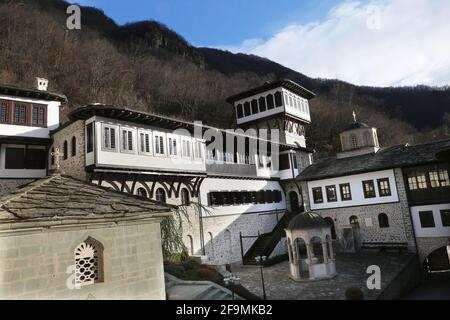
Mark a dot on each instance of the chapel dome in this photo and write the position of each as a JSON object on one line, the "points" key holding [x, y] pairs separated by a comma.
{"points": [[306, 220], [356, 125]]}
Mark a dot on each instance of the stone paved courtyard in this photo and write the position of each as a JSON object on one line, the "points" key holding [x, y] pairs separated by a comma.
{"points": [[351, 268]]}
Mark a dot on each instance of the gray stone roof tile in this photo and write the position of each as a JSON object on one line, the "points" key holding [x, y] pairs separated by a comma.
{"points": [[393, 157], [61, 197]]}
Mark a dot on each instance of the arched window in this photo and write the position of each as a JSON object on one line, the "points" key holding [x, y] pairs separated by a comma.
{"points": [[74, 146], [354, 220], [89, 263], [330, 222], [383, 220], [141, 192], [191, 245], [353, 141], [185, 201], [52, 159], [160, 195], [65, 150]]}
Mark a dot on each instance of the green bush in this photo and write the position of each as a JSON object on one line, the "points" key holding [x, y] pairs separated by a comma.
{"points": [[275, 260], [175, 270], [354, 294], [190, 264]]}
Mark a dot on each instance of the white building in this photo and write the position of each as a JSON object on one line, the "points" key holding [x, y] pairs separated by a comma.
{"points": [[26, 118]]}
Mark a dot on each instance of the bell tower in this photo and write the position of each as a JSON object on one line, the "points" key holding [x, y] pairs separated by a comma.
{"points": [[282, 105], [358, 139]]}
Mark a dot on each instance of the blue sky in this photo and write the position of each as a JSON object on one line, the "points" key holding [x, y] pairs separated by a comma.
{"points": [[217, 22], [365, 42]]}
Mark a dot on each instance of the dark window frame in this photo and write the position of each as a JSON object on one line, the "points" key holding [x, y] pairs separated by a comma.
{"points": [[90, 137], [240, 111], [73, 146], [315, 193], [254, 105], [423, 215], [389, 189], [330, 199], [38, 119], [445, 217], [368, 195], [343, 194]]}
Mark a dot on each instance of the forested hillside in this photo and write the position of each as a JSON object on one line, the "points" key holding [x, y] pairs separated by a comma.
{"points": [[147, 66]]}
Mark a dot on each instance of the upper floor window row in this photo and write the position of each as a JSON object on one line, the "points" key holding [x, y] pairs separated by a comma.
{"points": [[244, 197], [435, 178], [384, 190], [147, 142], [262, 104], [293, 101], [23, 113]]}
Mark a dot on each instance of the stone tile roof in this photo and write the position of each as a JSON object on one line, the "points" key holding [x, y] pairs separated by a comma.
{"points": [[393, 157], [60, 197]]}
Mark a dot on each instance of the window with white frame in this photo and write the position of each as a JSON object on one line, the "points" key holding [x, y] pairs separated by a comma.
{"points": [[186, 149], [109, 138], [173, 146], [144, 142], [159, 144], [198, 153], [127, 140]]}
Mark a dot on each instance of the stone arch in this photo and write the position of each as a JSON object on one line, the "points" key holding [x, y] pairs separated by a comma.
{"points": [[317, 249], [160, 195], [294, 201], [88, 257], [142, 192], [330, 222], [438, 259], [143, 184], [228, 243], [383, 220], [190, 241]]}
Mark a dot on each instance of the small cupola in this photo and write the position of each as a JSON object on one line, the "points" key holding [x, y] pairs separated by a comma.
{"points": [[41, 84], [358, 138]]}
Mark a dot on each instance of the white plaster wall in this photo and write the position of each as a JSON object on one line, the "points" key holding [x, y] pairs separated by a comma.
{"points": [[356, 190], [143, 161], [216, 184], [28, 131], [439, 230]]}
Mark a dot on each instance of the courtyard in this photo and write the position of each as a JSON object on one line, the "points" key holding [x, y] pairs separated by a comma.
{"points": [[351, 268]]}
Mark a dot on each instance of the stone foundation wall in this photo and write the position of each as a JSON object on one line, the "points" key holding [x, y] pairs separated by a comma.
{"points": [[425, 246], [73, 166], [225, 247], [8, 186], [33, 266]]}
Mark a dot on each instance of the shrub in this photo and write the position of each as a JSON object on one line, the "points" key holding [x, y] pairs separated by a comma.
{"points": [[175, 270], [190, 264], [276, 260], [354, 294], [208, 274]]}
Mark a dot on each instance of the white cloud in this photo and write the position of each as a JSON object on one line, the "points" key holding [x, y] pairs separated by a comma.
{"points": [[380, 43]]}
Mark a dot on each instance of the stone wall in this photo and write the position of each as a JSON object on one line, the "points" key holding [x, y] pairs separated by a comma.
{"points": [[225, 247], [33, 265], [425, 246], [73, 166], [400, 226], [8, 186]]}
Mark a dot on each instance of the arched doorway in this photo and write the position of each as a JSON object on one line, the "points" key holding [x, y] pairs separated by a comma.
{"points": [[438, 260], [293, 199], [330, 222]]}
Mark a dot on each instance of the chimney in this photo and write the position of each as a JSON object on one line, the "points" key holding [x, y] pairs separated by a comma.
{"points": [[41, 84]]}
